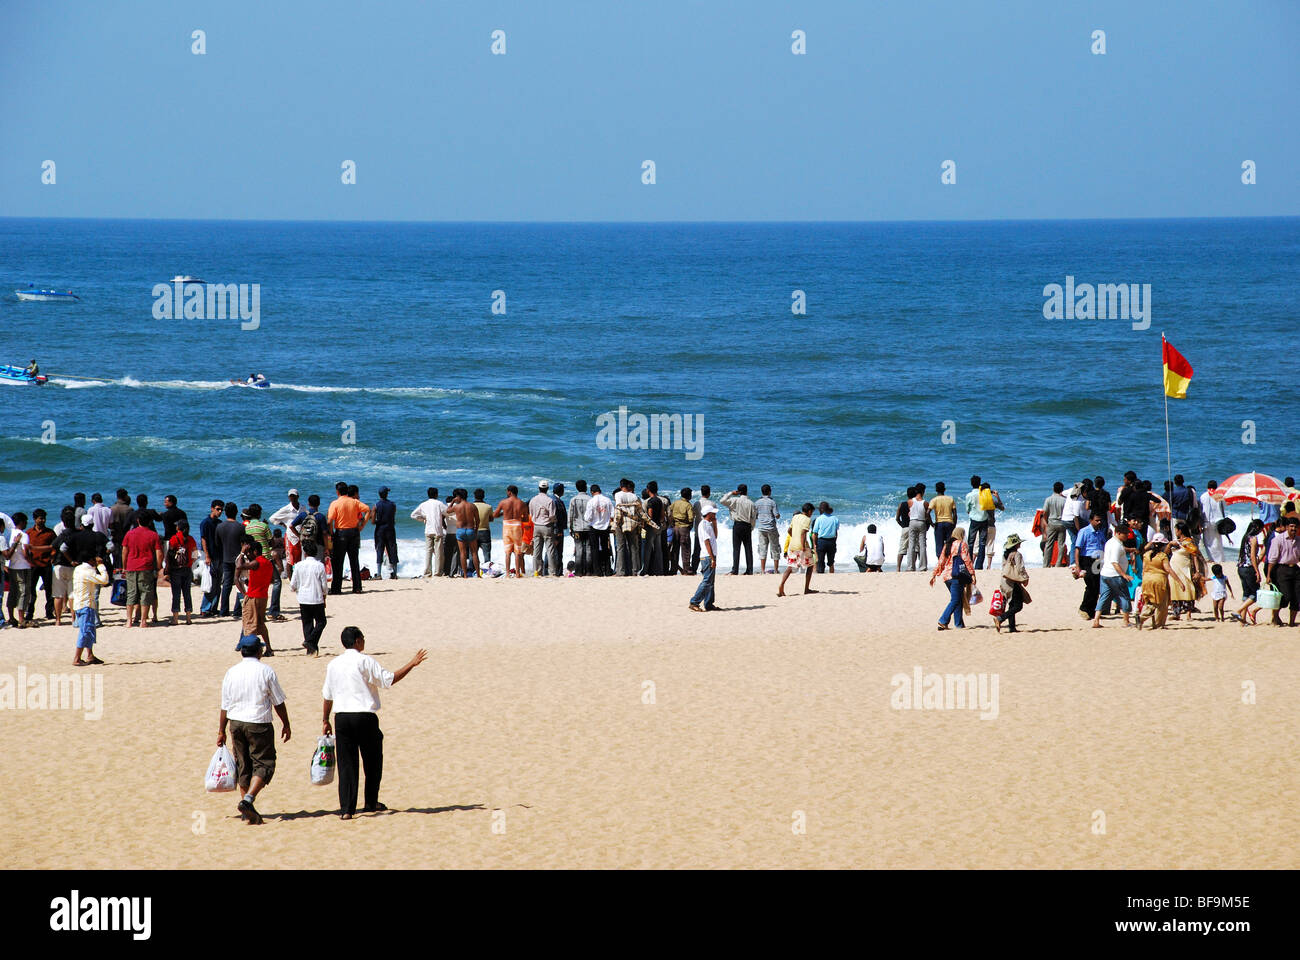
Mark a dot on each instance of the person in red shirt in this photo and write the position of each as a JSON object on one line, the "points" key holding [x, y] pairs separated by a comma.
{"points": [[40, 548], [142, 557], [181, 550], [256, 570]]}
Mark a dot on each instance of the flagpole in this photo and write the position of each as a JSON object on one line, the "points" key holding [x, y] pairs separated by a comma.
{"points": [[1169, 469]]}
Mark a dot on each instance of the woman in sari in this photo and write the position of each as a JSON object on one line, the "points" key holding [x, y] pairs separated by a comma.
{"points": [[1186, 561], [1155, 584]]}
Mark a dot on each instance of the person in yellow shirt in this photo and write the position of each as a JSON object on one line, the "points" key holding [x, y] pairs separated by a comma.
{"points": [[87, 578], [943, 514], [800, 554]]}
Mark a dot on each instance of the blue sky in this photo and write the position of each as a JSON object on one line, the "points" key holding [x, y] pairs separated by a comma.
{"points": [[738, 126]]}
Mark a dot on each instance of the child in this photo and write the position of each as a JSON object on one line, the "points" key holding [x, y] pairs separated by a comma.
{"points": [[1220, 590], [86, 581]]}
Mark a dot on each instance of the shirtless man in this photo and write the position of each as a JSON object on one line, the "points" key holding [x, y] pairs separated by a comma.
{"points": [[512, 510], [466, 530]]}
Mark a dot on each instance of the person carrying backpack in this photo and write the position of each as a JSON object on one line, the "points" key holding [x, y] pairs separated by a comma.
{"points": [[310, 525], [181, 551]]}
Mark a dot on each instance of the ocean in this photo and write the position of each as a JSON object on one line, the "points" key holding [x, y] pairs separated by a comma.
{"points": [[923, 354]]}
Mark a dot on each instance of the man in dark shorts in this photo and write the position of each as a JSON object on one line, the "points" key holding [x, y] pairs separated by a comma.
{"points": [[249, 692]]}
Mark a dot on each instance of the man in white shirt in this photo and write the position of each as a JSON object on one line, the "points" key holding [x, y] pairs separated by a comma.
{"points": [[1114, 577], [352, 683], [708, 532], [282, 518], [310, 583], [598, 514], [431, 512], [102, 515], [873, 550], [20, 568], [249, 692], [1211, 513]]}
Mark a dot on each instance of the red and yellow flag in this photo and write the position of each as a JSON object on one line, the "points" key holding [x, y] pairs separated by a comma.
{"points": [[1178, 372]]}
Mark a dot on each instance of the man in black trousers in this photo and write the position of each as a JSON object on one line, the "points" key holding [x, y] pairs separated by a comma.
{"points": [[352, 683], [347, 515]]}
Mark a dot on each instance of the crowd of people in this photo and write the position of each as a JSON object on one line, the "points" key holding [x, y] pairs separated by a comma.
{"points": [[1145, 555], [1152, 557]]}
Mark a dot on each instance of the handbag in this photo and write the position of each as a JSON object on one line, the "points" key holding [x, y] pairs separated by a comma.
{"points": [[117, 597], [1225, 526]]}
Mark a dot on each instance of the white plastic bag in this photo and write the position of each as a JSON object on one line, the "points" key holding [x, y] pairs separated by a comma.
{"points": [[205, 578], [223, 772], [322, 762]]}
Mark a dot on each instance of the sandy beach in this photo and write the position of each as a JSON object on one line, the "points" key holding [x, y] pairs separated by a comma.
{"points": [[599, 723]]}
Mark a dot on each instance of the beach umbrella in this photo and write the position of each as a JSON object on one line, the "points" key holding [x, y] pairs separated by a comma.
{"points": [[1252, 488]]}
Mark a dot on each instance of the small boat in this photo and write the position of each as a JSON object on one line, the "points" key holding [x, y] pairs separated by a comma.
{"points": [[48, 296], [187, 279], [9, 373], [255, 381]]}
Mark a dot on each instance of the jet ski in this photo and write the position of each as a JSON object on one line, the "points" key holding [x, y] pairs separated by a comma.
{"points": [[9, 373], [254, 381]]}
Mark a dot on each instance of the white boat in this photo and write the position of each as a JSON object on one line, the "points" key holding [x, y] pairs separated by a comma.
{"points": [[253, 382], [47, 296], [187, 279]]}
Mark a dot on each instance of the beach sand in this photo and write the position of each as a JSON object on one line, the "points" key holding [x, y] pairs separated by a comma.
{"points": [[525, 739]]}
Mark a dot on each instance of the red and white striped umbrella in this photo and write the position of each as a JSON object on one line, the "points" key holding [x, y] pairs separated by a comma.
{"points": [[1252, 488]]}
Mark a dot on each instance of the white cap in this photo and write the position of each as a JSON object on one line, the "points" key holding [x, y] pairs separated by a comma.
{"points": [[542, 484], [293, 493], [87, 519]]}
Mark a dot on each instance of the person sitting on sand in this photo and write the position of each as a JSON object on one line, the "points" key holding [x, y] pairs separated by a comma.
{"points": [[249, 692], [799, 553]]}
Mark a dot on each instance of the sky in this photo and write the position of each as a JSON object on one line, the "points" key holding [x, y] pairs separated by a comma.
{"points": [[737, 125]]}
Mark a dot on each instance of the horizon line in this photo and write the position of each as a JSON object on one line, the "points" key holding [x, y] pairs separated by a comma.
{"points": [[666, 222]]}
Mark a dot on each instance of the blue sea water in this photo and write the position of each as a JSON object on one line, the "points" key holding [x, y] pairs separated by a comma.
{"points": [[389, 326]]}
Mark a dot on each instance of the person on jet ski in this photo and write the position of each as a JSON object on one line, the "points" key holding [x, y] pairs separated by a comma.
{"points": [[32, 369]]}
